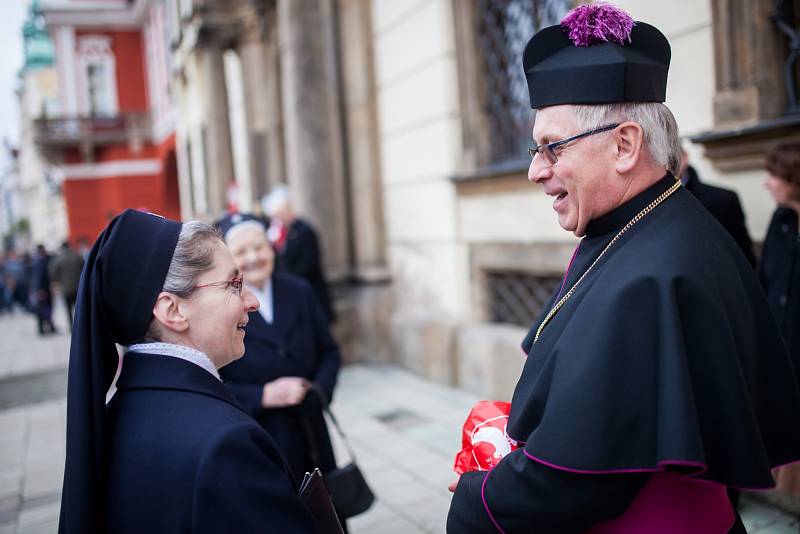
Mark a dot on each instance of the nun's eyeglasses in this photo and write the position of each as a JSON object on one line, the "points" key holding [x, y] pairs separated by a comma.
{"points": [[548, 152], [234, 283]]}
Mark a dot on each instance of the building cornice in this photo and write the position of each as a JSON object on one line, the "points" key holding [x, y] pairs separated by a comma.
{"points": [[92, 14]]}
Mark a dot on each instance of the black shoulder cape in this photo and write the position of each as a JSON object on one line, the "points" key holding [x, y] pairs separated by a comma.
{"points": [[665, 357]]}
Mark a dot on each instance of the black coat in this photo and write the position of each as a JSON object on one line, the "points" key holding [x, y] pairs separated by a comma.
{"points": [[297, 343], [300, 255], [41, 290], [779, 273], [665, 358], [724, 205], [184, 457]]}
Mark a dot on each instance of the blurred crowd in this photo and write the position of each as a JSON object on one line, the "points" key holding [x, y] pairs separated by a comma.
{"points": [[31, 280]]}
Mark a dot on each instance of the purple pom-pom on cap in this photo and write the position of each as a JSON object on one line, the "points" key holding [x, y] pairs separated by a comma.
{"points": [[598, 23]]}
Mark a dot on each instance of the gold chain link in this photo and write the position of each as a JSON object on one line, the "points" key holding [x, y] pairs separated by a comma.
{"points": [[625, 228]]}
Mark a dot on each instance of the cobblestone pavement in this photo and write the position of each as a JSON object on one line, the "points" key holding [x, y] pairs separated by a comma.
{"points": [[405, 432]]}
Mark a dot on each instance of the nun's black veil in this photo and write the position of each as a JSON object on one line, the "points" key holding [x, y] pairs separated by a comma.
{"points": [[119, 285]]}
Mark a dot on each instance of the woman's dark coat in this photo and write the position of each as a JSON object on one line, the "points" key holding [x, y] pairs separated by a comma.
{"points": [[779, 273], [301, 256], [297, 343], [184, 457]]}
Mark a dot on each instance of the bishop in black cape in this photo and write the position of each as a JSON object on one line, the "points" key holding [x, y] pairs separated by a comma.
{"points": [[664, 367]]}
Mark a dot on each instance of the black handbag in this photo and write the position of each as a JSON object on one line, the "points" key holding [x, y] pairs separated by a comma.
{"points": [[318, 501], [349, 491]]}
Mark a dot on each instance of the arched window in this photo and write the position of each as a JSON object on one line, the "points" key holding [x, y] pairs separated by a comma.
{"points": [[96, 76]]}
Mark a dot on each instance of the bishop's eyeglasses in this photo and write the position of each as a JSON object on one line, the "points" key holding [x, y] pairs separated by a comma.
{"points": [[548, 152]]}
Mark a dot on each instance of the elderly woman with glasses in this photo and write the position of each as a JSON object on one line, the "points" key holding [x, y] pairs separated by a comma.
{"points": [[291, 362], [172, 451]]}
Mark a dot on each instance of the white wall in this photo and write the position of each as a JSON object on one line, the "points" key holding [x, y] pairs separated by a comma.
{"points": [[189, 127], [690, 95], [43, 204], [420, 135], [239, 137], [162, 106]]}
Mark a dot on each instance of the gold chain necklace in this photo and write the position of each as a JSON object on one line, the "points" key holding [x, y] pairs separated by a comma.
{"points": [[625, 228]]}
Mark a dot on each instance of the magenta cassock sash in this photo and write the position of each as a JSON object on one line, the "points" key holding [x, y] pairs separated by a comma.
{"points": [[671, 503]]}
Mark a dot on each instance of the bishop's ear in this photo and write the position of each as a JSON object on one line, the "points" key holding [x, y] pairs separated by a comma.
{"points": [[629, 138], [167, 311]]}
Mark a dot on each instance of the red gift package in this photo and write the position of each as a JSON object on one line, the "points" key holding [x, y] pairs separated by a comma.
{"points": [[484, 439]]}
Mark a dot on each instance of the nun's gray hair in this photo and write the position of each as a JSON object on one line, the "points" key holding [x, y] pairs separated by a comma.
{"points": [[193, 256]]}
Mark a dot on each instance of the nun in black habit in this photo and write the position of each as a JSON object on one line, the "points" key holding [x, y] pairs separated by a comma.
{"points": [[655, 378], [291, 361], [173, 451]]}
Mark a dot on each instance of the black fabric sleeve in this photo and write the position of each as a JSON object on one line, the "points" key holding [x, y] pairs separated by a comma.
{"points": [[242, 486], [738, 230], [305, 258], [521, 495]]}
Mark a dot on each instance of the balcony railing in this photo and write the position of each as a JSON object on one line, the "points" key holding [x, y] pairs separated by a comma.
{"points": [[62, 132]]}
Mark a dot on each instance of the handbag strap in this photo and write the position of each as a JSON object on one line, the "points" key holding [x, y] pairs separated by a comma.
{"points": [[326, 408], [341, 434]]}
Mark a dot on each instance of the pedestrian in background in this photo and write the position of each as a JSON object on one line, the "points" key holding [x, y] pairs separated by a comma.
{"points": [[297, 246], [17, 279], [722, 203], [66, 273], [779, 268], [41, 291], [655, 377], [291, 362], [173, 451]]}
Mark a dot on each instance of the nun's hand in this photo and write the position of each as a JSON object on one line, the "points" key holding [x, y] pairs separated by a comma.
{"points": [[284, 391]]}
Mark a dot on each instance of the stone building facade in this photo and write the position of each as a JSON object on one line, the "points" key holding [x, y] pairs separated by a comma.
{"points": [[401, 128], [109, 142]]}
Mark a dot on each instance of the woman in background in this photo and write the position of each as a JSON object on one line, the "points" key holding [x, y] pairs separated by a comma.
{"points": [[291, 361], [779, 268]]}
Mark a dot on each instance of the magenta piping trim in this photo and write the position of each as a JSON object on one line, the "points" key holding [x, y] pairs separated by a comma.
{"points": [[662, 465], [486, 505]]}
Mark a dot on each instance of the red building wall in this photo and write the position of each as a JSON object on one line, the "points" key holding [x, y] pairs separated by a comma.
{"points": [[131, 86], [92, 202], [128, 51]]}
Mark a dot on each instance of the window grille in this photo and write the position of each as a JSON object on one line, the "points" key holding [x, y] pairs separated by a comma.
{"points": [[518, 298], [503, 29]]}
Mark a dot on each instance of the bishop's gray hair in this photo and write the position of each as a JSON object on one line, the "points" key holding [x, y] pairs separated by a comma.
{"points": [[658, 124], [193, 256]]}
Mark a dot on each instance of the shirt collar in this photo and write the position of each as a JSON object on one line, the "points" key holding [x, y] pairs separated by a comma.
{"points": [[178, 351]]}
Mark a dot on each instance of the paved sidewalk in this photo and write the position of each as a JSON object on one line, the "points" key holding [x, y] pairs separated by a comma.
{"points": [[32, 421], [405, 432]]}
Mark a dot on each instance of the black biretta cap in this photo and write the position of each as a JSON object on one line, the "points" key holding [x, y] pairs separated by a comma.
{"points": [[120, 282], [597, 55]]}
